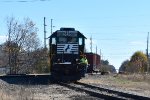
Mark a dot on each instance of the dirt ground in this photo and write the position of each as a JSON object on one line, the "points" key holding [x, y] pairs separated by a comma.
{"points": [[135, 83]]}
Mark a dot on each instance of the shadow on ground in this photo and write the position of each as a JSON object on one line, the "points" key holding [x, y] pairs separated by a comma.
{"points": [[27, 79]]}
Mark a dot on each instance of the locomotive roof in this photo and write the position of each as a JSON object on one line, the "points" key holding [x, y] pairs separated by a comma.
{"points": [[66, 29]]}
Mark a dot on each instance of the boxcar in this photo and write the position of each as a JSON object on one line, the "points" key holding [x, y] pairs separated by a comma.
{"points": [[94, 62]]}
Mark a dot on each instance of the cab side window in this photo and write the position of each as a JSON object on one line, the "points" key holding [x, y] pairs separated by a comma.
{"points": [[54, 41], [80, 41]]}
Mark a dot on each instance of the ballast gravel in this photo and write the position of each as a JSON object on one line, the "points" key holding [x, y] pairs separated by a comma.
{"points": [[56, 92]]}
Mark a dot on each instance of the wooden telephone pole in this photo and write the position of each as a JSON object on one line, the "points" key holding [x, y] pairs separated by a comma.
{"points": [[44, 33], [91, 43], [147, 52]]}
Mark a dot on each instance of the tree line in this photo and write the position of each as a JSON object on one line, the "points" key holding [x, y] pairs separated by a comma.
{"points": [[22, 52], [106, 67], [138, 63]]}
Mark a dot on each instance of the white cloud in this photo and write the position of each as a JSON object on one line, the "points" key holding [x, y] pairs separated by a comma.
{"points": [[2, 39]]}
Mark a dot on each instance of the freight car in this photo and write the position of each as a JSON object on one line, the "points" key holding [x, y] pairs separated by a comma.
{"points": [[94, 62], [66, 47]]}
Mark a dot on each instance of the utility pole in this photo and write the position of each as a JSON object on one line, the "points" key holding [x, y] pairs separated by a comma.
{"points": [[147, 52], [100, 54], [91, 43], [96, 49], [51, 26], [9, 51], [44, 33], [96, 57]]}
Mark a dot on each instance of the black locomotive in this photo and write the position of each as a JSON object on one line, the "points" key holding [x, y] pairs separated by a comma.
{"points": [[66, 47]]}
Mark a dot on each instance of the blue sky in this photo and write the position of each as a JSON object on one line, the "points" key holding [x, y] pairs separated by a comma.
{"points": [[118, 27]]}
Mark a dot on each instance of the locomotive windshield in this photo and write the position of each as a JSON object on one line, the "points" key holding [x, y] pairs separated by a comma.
{"points": [[71, 39], [67, 40], [67, 36], [62, 40]]}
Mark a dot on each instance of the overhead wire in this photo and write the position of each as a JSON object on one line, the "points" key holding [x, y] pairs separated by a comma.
{"points": [[22, 0]]}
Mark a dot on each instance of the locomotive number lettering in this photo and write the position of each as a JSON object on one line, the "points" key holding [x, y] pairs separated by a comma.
{"points": [[67, 33]]}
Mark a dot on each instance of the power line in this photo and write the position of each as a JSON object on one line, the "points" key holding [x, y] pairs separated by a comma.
{"points": [[23, 1]]}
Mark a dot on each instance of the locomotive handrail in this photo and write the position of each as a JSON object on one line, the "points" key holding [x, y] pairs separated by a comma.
{"points": [[64, 63]]}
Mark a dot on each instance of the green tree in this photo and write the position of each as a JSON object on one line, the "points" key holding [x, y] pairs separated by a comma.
{"points": [[106, 67], [124, 66], [40, 61], [105, 62], [138, 62]]}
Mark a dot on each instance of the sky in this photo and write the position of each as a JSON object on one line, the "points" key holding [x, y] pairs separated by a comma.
{"points": [[118, 27]]}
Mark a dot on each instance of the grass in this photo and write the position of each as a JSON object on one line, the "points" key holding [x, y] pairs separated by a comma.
{"points": [[13, 92], [132, 82], [5, 96], [135, 77]]}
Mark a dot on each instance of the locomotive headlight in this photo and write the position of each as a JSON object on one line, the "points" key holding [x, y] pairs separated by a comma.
{"points": [[77, 60], [58, 60]]}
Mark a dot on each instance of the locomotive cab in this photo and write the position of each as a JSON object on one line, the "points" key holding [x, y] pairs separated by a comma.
{"points": [[66, 46]]}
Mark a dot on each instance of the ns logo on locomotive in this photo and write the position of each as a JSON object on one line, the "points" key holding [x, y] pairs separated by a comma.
{"points": [[67, 47]]}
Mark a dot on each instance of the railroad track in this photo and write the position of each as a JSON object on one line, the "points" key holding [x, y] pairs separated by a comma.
{"points": [[101, 92]]}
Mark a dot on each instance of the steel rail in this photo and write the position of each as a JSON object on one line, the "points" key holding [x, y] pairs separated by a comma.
{"points": [[122, 94], [92, 92]]}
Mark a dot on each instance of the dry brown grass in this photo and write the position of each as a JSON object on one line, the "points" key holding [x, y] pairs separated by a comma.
{"points": [[136, 82], [136, 77], [15, 92], [4, 96]]}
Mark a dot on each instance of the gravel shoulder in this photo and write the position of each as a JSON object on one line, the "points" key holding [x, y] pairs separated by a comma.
{"points": [[124, 83]]}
